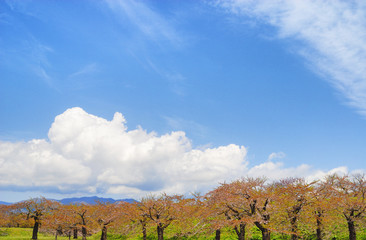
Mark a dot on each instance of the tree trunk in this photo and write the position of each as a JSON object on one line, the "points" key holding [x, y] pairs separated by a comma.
{"points": [[266, 233], [218, 234], [241, 231], [319, 234], [160, 233], [293, 222], [351, 229], [75, 233], [104, 233], [144, 234], [58, 232], [35, 229], [83, 232]]}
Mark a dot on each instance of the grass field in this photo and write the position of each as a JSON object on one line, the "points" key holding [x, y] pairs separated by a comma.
{"points": [[26, 234], [23, 233]]}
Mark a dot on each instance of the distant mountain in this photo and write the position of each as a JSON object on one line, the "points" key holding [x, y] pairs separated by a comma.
{"points": [[86, 200], [93, 200]]}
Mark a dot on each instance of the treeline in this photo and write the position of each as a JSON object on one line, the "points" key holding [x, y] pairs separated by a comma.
{"points": [[290, 208]]}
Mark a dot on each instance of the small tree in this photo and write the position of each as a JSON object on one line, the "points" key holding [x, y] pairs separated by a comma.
{"points": [[61, 221], [322, 206], [351, 195], [105, 214], [4, 215], [137, 214], [292, 195], [83, 214], [227, 201], [162, 210], [36, 209]]}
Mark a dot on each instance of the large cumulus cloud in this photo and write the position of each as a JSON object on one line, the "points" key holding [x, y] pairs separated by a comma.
{"points": [[88, 154]]}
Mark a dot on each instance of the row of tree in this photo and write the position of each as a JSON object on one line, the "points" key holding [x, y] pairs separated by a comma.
{"points": [[292, 207]]}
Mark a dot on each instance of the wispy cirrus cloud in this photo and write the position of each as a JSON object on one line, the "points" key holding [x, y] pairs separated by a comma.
{"points": [[332, 36], [178, 123], [85, 70], [151, 24], [175, 80], [22, 47]]}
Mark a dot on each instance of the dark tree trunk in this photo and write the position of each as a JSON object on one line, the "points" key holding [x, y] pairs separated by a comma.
{"points": [[144, 234], [35, 229], [319, 234], [83, 222], [266, 234], [218, 234], [104, 233], [293, 222], [351, 229], [160, 233], [83, 232], [241, 231], [75, 232], [58, 232]]}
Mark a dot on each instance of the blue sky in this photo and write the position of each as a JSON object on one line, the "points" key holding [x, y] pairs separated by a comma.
{"points": [[125, 98]]}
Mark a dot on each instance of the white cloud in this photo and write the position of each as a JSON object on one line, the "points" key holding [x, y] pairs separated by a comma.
{"points": [[36, 164], [322, 174], [332, 33], [91, 155], [276, 155], [276, 170]]}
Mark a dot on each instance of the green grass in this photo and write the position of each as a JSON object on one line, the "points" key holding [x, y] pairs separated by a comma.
{"points": [[26, 234], [23, 234]]}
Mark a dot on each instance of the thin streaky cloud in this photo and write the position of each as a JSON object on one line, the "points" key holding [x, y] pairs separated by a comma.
{"points": [[41, 72], [177, 123], [20, 6], [175, 79], [37, 55], [149, 23], [332, 33], [85, 70]]}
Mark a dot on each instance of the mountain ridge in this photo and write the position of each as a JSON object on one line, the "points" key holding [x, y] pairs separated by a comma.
{"points": [[93, 200], [86, 200]]}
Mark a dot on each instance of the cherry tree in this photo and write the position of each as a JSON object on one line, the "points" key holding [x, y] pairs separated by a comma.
{"points": [[350, 192], [292, 195], [162, 211], [36, 209]]}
